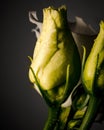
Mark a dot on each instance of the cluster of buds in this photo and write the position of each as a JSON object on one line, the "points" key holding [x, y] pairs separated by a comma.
{"points": [[55, 71]]}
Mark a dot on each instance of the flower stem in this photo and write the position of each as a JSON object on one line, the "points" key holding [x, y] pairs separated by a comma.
{"points": [[91, 112], [63, 118], [52, 118]]}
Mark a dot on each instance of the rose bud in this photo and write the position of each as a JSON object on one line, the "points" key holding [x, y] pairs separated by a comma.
{"points": [[55, 55], [93, 70]]}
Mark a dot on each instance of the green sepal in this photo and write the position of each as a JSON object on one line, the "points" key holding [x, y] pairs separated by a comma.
{"points": [[67, 89], [83, 59], [29, 57], [43, 93]]}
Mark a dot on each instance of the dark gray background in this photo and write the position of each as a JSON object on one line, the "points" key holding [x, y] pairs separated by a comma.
{"points": [[21, 108]]}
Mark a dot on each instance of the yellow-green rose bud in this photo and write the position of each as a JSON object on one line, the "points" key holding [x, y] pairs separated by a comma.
{"points": [[93, 73], [55, 49]]}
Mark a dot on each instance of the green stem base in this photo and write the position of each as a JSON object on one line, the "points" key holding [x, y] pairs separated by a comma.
{"points": [[52, 118]]}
